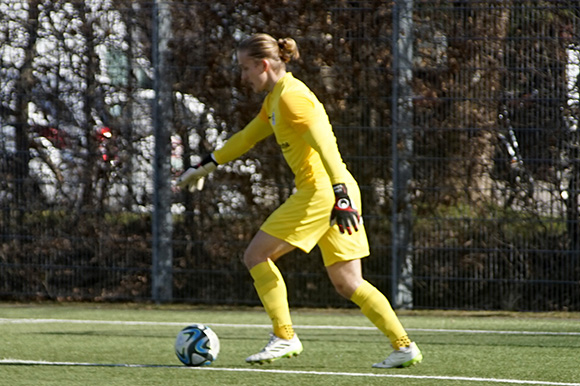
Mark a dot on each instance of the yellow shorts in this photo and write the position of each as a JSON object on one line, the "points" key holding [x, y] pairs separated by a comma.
{"points": [[304, 221]]}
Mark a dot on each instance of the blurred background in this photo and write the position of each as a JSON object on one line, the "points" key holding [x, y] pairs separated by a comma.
{"points": [[458, 118]]}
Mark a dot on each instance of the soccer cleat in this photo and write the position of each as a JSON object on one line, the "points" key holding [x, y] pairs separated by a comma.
{"points": [[277, 348], [404, 357]]}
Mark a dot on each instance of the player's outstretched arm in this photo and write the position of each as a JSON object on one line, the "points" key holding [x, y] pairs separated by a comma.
{"points": [[238, 144], [194, 177]]}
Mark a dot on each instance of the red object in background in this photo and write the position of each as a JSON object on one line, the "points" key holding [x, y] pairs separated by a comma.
{"points": [[104, 136], [60, 140], [104, 133], [57, 137]]}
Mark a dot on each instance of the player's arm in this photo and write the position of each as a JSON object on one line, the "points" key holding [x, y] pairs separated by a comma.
{"points": [[238, 144], [241, 142], [310, 119], [344, 213]]}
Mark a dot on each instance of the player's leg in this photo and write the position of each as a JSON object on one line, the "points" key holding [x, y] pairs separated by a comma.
{"points": [[342, 254], [299, 222], [259, 259], [347, 278]]}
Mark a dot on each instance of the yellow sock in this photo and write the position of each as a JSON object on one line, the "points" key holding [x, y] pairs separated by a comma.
{"points": [[403, 341], [272, 292], [284, 332], [375, 306]]}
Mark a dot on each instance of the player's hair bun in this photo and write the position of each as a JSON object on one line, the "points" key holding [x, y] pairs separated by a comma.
{"points": [[288, 49]]}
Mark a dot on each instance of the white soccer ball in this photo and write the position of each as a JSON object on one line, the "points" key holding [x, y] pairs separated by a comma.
{"points": [[197, 345]]}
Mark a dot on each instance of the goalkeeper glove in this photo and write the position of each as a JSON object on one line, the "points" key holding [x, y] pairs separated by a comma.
{"points": [[344, 212], [194, 177]]}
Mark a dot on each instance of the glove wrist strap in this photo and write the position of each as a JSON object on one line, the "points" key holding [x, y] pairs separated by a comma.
{"points": [[208, 159], [340, 190]]}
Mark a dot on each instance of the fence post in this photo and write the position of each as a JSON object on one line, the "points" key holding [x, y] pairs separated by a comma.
{"points": [[402, 148], [162, 259]]}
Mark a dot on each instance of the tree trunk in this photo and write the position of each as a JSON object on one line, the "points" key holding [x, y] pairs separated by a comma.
{"points": [[23, 186]]}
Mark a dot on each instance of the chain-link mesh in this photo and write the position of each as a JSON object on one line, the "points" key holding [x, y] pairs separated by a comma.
{"points": [[459, 119]]}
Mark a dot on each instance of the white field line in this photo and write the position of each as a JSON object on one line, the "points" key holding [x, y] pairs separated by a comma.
{"points": [[298, 372], [372, 375], [304, 327]]}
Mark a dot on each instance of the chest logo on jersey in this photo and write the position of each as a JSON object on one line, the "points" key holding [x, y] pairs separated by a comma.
{"points": [[272, 118]]}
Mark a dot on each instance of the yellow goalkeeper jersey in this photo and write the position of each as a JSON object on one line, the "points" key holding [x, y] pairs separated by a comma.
{"points": [[299, 121]]}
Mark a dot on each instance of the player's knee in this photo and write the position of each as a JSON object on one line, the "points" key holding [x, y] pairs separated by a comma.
{"points": [[251, 258], [248, 260], [344, 289]]}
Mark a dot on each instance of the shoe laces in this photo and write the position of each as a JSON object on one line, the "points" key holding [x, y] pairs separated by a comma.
{"points": [[273, 338], [272, 341]]}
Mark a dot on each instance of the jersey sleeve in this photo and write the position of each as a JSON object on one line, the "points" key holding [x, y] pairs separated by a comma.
{"points": [[307, 117], [239, 143]]}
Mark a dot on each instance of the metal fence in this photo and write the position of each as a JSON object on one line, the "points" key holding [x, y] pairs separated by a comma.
{"points": [[459, 119]]}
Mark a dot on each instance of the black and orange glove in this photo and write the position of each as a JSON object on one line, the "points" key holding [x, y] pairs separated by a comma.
{"points": [[344, 212]]}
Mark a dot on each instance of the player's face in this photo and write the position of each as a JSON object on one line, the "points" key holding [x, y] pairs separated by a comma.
{"points": [[253, 72]]}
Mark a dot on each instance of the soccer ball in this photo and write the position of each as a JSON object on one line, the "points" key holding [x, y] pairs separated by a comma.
{"points": [[197, 345]]}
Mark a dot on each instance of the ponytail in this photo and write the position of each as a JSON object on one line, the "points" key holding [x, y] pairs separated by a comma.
{"points": [[264, 46], [288, 49]]}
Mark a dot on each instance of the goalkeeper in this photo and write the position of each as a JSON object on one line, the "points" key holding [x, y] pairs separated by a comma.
{"points": [[325, 209]]}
